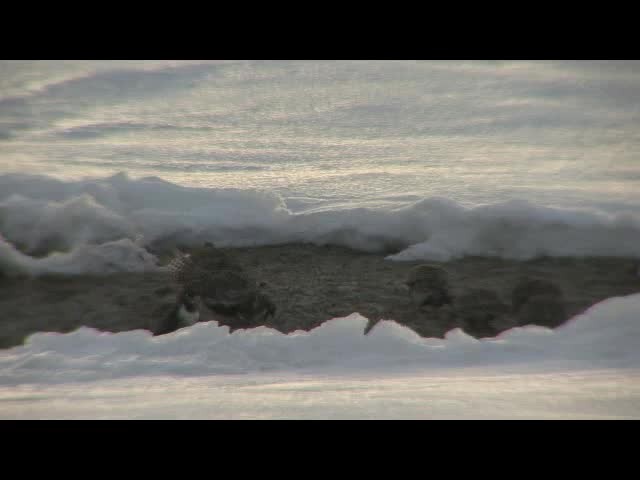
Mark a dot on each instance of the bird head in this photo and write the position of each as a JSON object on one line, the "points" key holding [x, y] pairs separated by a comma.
{"points": [[189, 299]]}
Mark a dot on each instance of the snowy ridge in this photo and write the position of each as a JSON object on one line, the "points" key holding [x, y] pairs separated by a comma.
{"points": [[606, 336], [40, 213]]}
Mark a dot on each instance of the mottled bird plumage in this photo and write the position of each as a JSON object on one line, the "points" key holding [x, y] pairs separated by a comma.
{"points": [[222, 285], [428, 286]]}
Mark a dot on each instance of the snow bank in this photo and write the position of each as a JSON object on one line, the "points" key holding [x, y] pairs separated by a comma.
{"points": [[41, 214], [606, 336]]}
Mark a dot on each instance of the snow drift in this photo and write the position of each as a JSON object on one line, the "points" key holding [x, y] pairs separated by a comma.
{"points": [[42, 214], [605, 336]]}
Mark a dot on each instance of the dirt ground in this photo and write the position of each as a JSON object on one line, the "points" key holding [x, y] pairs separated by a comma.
{"points": [[309, 285]]}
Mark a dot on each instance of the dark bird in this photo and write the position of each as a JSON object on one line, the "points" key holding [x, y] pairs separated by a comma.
{"points": [[222, 286], [184, 313], [428, 286]]}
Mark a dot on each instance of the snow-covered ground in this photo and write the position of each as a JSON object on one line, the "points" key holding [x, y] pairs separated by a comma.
{"points": [[450, 394]]}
